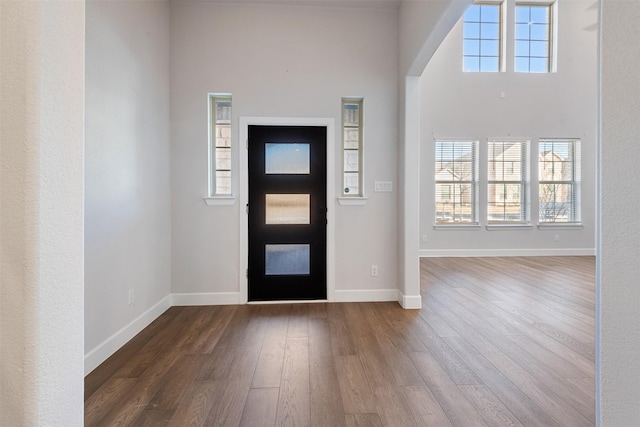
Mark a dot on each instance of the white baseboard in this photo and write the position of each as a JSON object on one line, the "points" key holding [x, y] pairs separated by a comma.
{"points": [[206, 298], [366, 295], [410, 302], [102, 352], [470, 253]]}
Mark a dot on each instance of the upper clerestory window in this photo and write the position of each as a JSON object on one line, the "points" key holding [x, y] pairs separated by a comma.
{"points": [[534, 38], [483, 44]]}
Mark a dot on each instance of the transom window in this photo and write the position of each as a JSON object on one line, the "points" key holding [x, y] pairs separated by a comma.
{"points": [[456, 182], [507, 182], [533, 38], [220, 145], [482, 38], [559, 176]]}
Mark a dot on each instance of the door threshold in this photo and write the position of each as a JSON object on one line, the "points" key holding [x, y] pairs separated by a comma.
{"points": [[295, 301]]}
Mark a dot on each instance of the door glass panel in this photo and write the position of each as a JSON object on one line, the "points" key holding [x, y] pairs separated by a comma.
{"points": [[286, 260], [284, 158], [287, 208]]}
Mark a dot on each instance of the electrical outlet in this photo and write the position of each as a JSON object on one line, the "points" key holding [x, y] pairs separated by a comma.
{"points": [[132, 296], [374, 271], [557, 238], [424, 238]]}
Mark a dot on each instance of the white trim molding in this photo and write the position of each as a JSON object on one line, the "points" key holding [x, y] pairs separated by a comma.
{"points": [[352, 201], [410, 302], [471, 253], [206, 298], [112, 344], [243, 128], [220, 200], [365, 295], [561, 226], [508, 227]]}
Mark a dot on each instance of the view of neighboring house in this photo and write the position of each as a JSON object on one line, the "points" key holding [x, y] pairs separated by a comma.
{"points": [[456, 181], [507, 182], [559, 177], [532, 192]]}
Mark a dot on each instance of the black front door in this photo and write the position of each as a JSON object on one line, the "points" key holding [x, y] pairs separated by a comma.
{"points": [[287, 213]]}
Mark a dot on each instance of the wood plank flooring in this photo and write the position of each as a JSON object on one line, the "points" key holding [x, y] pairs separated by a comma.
{"points": [[498, 342]]}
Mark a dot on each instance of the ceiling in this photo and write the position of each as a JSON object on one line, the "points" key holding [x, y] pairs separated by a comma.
{"points": [[326, 3]]}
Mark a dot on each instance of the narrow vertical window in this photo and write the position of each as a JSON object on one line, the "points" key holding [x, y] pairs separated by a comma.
{"points": [[352, 147], [559, 177], [482, 38], [533, 38], [220, 145], [508, 182], [456, 195]]}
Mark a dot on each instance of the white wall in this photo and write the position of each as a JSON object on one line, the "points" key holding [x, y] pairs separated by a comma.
{"points": [[469, 105], [618, 335], [422, 27], [127, 188], [281, 61], [41, 224]]}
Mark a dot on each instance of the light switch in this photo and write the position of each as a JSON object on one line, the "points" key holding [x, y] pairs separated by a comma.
{"points": [[383, 187]]}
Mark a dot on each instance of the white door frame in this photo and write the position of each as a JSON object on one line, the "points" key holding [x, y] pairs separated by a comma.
{"points": [[245, 122]]}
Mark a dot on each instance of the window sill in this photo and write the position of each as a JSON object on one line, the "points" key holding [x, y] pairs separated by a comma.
{"points": [[457, 227], [561, 226], [352, 201], [505, 227], [220, 200]]}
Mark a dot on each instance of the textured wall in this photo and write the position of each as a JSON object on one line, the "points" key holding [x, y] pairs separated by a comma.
{"points": [[619, 305], [41, 224]]}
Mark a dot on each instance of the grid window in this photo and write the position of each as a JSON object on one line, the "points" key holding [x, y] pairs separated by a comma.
{"points": [[533, 38], [482, 38], [507, 182], [352, 147], [559, 176], [220, 145], [456, 182]]}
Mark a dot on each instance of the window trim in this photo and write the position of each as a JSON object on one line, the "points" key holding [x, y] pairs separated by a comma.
{"points": [[525, 185], [352, 201], [219, 200], [576, 183], [215, 198], [463, 226], [502, 26], [474, 182], [552, 5], [345, 196]]}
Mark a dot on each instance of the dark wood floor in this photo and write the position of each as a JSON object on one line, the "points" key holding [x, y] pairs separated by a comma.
{"points": [[499, 341]]}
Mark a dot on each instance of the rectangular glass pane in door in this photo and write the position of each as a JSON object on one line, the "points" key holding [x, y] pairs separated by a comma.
{"points": [[286, 158], [290, 259], [287, 208]]}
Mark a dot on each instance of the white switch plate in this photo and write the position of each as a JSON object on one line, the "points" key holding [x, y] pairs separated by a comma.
{"points": [[383, 186]]}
